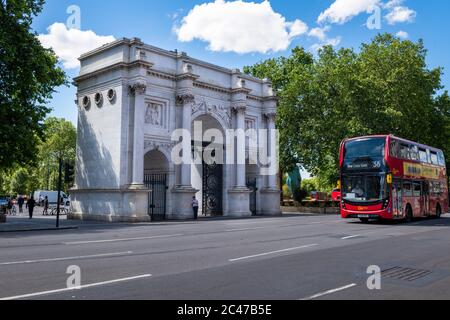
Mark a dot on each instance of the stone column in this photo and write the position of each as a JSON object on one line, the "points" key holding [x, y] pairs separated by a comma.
{"points": [[270, 195], [272, 179], [185, 102], [239, 196], [138, 90], [182, 194], [240, 148]]}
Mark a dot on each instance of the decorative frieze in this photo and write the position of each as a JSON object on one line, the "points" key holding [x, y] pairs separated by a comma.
{"points": [[154, 114], [203, 106]]}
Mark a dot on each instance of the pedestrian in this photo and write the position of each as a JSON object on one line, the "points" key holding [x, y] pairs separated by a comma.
{"points": [[45, 213], [20, 202], [195, 207], [9, 206], [30, 205]]}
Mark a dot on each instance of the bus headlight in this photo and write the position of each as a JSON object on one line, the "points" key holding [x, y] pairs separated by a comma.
{"points": [[385, 203]]}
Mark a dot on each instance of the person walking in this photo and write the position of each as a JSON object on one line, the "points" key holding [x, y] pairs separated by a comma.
{"points": [[195, 207], [20, 202], [9, 207], [30, 205], [45, 213]]}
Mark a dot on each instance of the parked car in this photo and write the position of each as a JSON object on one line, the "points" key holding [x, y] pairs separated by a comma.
{"points": [[336, 195]]}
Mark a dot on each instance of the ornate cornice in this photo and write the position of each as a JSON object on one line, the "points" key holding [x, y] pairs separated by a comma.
{"points": [[270, 115]]}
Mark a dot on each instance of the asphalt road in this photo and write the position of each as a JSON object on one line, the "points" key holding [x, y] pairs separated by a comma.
{"points": [[293, 257]]}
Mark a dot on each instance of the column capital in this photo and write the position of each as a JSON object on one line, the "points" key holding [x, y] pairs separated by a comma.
{"points": [[137, 88], [184, 99], [240, 108], [270, 116]]}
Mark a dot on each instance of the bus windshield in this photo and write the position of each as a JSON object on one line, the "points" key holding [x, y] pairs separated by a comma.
{"points": [[366, 147], [359, 188]]}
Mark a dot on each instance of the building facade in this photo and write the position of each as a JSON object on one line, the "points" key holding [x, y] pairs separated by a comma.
{"points": [[131, 98]]}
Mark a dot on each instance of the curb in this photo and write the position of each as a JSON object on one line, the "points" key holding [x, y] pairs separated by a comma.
{"points": [[43, 229]]}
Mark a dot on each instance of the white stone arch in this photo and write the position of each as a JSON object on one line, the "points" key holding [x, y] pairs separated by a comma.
{"points": [[225, 124]]}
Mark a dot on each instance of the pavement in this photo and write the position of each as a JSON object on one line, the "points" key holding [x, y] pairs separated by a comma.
{"points": [[284, 258]]}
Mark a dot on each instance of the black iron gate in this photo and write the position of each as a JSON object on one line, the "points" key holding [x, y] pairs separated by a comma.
{"points": [[212, 189], [252, 185], [157, 183]]}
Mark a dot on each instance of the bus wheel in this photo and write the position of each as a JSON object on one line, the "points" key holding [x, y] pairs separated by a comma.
{"points": [[438, 212], [409, 214], [364, 220]]}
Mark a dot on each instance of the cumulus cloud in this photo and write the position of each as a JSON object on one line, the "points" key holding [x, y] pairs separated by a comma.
{"points": [[327, 42], [238, 26], [402, 35], [342, 11], [70, 44], [319, 33], [400, 14]]}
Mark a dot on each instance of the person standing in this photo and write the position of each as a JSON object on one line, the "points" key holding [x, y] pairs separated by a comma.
{"points": [[20, 202], [195, 207], [30, 205], [45, 213]]}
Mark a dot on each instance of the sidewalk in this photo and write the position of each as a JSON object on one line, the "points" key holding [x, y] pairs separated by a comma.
{"points": [[22, 223]]}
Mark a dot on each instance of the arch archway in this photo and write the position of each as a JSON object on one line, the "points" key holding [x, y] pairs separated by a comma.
{"points": [[209, 171], [156, 175]]}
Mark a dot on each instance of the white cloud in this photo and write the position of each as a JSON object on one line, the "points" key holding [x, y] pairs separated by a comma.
{"points": [[400, 14], [238, 26], [342, 11], [402, 35], [69, 45], [319, 33], [328, 42]]}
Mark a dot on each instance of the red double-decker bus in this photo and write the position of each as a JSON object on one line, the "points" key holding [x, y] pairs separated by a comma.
{"points": [[386, 177]]}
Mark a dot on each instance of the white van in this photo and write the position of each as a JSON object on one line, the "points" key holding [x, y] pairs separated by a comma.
{"points": [[40, 195]]}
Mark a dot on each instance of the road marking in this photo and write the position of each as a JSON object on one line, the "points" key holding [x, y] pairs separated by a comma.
{"points": [[43, 293], [124, 239], [245, 229], [351, 237], [67, 258], [273, 252], [330, 292]]}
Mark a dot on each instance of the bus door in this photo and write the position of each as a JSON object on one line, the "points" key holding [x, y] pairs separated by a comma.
{"points": [[425, 205], [397, 201]]}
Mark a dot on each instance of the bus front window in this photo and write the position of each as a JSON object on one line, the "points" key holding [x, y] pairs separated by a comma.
{"points": [[364, 188]]}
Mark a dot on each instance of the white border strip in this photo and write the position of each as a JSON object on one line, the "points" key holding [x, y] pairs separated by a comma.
{"points": [[273, 252], [330, 292], [31, 295], [67, 258]]}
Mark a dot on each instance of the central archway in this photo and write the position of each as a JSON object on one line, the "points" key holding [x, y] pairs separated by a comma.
{"points": [[207, 175]]}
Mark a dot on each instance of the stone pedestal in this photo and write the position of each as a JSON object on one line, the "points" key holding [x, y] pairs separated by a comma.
{"points": [[270, 202], [182, 203], [239, 202], [110, 205]]}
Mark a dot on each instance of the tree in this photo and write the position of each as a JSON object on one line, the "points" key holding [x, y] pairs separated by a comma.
{"points": [[28, 75], [386, 87], [60, 143], [19, 182]]}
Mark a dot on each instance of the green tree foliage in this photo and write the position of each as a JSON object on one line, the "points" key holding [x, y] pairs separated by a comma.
{"points": [[28, 75], [384, 88], [60, 141]]}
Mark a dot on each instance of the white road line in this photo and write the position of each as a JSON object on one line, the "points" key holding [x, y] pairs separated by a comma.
{"points": [[273, 252], [330, 292], [67, 258], [43, 293], [351, 237], [124, 239], [245, 229]]}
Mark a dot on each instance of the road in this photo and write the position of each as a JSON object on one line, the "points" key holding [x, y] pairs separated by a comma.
{"points": [[291, 257]]}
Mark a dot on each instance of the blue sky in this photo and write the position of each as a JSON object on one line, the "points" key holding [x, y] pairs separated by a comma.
{"points": [[289, 23]]}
